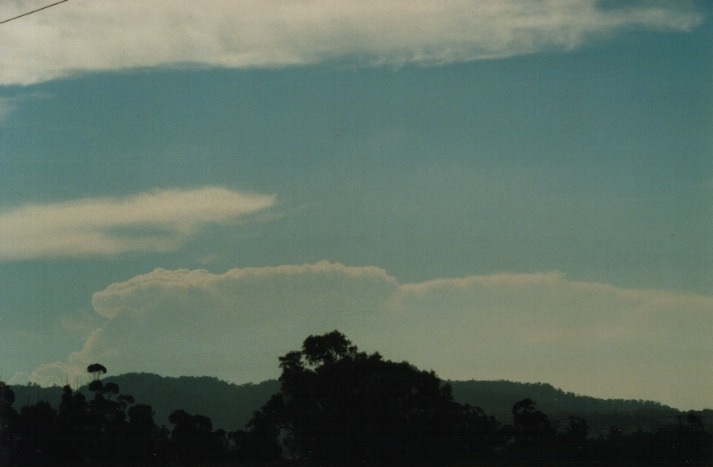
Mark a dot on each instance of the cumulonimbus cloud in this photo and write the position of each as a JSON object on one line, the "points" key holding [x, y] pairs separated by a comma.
{"points": [[121, 34], [585, 337], [159, 220]]}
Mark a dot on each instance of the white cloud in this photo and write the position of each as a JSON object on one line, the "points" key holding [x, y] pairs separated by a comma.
{"points": [[160, 220], [585, 337], [72, 371], [120, 34]]}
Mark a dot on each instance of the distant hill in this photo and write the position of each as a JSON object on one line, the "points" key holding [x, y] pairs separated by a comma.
{"points": [[496, 398], [230, 406]]}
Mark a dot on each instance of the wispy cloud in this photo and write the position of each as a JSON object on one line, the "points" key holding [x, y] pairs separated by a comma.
{"points": [[585, 337], [95, 36], [160, 220]]}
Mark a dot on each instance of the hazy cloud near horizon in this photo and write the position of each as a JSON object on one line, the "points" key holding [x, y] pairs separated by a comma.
{"points": [[584, 337], [81, 36]]}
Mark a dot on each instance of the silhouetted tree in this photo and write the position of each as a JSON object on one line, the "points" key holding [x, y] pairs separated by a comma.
{"points": [[573, 443], [96, 370], [684, 443], [193, 438], [533, 432], [111, 389], [72, 419], [337, 404], [262, 442], [7, 397], [35, 442], [142, 434]]}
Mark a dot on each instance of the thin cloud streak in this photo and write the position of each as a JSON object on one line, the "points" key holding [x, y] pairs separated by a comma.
{"points": [[160, 220], [125, 34]]}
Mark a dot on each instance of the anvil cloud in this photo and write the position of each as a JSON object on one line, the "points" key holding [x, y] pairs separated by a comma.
{"points": [[587, 337]]}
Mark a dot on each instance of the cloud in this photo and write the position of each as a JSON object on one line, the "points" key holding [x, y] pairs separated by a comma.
{"points": [[160, 220], [72, 371], [123, 34], [585, 337]]}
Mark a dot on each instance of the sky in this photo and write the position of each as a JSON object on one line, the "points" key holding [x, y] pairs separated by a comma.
{"points": [[503, 189]]}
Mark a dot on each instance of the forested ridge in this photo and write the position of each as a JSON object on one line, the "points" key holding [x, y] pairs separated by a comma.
{"points": [[232, 405], [336, 405]]}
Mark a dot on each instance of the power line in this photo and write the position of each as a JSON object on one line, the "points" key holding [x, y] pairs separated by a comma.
{"points": [[33, 11]]}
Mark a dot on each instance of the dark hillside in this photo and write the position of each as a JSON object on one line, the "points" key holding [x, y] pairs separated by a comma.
{"points": [[497, 397], [230, 406]]}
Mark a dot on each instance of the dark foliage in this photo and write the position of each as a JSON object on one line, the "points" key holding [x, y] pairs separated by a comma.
{"points": [[231, 405], [496, 398], [336, 405], [109, 429], [228, 405]]}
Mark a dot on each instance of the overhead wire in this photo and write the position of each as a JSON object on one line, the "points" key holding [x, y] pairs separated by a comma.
{"points": [[31, 12]]}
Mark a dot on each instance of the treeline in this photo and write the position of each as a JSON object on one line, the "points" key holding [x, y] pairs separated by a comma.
{"points": [[496, 398], [335, 406], [228, 405], [231, 405]]}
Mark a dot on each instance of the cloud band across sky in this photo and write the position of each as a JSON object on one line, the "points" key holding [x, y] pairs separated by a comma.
{"points": [[160, 220], [585, 337], [124, 34]]}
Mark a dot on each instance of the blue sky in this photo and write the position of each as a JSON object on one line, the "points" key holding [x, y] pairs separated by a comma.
{"points": [[516, 190]]}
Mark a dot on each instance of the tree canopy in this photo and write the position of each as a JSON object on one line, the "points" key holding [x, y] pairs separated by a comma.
{"points": [[339, 404]]}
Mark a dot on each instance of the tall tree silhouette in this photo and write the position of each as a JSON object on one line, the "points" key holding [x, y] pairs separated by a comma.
{"points": [[337, 404], [194, 440], [35, 442], [72, 419], [96, 370], [7, 397], [143, 436], [533, 431]]}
